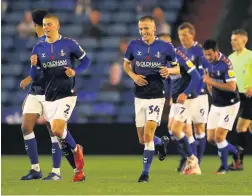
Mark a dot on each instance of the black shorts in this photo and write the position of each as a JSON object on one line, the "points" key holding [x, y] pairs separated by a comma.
{"points": [[246, 107]]}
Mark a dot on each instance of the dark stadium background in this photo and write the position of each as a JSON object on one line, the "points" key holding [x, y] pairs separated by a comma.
{"points": [[103, 119]]}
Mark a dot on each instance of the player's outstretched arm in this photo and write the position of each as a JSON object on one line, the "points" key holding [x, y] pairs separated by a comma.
{"points": [[138, 79], [25, 82]]}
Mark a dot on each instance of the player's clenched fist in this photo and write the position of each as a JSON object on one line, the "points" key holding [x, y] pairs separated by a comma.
{"points": [[182, 98], [164, 72], [69, 72], [207, 79], [34, 60], [25, 82], [139, 80]]}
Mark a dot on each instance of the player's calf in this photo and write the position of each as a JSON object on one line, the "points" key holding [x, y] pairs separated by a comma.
{"points": [[224, 147], [56, 155], [200, 136], [30, 145]]}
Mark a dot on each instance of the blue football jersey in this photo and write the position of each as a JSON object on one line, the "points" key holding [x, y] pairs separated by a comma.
{"points": [[195, 54], [180, 82], [38, 86], [146, 60], [221, 71], [53, 58]]}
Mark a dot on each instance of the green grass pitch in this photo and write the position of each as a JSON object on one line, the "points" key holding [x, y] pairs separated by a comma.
{"points": [[118, 175]]}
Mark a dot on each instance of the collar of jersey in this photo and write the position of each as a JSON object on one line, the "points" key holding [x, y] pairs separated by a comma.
{"points": [[150, 44], [60, 36], [245, 50], [194, 44], [219, 56]]}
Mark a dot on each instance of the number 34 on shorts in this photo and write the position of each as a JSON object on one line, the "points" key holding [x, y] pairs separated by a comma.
{"points": [[148, 109]]}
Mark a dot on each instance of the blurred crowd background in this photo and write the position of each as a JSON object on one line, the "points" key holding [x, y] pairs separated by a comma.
{"points": [[103, 29]]}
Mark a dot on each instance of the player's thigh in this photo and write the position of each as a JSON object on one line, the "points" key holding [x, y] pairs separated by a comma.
{"points": [[140, 133], [154, 109], [140, 118], [228, 115], [242, 125], [213, 118], [200, 109], [32, 105], [211, 136], [220, 134], [171, 115]]}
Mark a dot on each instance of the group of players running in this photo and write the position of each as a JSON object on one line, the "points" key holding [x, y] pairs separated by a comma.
{"points": [[193, 72]]}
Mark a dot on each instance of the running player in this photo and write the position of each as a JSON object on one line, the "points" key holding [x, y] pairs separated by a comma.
{"points": [[149, 57], [54, 57], [221, 83], [183, 85], [193, 50], [32, 109]]}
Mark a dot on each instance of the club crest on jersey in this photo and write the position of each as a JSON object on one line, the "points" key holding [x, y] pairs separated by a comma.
{"points": [[62, 53], [43, 55], [218, 73], [139, 53], [158, 55]]}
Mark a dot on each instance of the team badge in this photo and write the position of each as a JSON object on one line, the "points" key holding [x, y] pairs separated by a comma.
{"points": [[62, 53]]}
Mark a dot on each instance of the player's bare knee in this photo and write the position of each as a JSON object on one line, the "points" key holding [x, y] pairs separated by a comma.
{"points": [[141, 140], [219, 138], [199, 129], [57, 127], [26, 130]]}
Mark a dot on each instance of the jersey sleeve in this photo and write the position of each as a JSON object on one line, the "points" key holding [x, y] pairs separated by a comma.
{"points": [[129, 53], [77, 50], [229, 71], [185, 62], [35, 51], [171, 56]]}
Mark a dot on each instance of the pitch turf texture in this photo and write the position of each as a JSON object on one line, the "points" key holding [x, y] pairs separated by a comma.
{"points": [[119, 174]]}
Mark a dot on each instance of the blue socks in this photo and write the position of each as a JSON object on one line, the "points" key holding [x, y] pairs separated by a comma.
{"points": [[68, 139], [56, 152], [201, 145], [148, 155], [223, 149], [32, 150]]}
